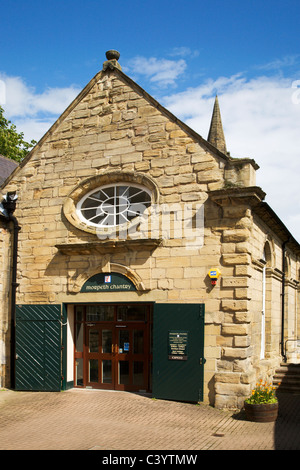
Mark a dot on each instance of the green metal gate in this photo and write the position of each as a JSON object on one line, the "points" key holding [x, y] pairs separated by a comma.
{"points": [[178, 348], [38, 348]]}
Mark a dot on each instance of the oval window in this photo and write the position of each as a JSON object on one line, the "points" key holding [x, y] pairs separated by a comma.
{"points": [[112, 205]]}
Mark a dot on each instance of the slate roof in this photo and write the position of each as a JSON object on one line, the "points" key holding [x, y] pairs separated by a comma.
{"points": [[7, 166]]}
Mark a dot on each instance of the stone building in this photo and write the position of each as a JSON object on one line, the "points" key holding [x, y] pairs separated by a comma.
{"points": [[146, 257]]}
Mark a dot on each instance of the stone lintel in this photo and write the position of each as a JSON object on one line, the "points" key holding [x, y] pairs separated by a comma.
{"points": [[104, 246]]}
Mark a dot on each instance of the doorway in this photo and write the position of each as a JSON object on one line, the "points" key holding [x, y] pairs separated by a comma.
{"points": [[113, 347]]}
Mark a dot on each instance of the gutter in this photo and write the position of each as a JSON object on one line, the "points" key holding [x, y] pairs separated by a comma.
{"points": [[7, 208]]}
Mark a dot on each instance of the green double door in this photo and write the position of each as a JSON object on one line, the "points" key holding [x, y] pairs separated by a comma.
{"points": [[121, 353]]}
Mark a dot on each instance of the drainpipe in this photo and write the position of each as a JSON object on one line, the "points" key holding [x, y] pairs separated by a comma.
{"points": [[283, 301], [7, 209]]}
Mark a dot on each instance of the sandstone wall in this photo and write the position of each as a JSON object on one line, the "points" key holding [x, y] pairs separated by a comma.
{"points": [[113, 127]]}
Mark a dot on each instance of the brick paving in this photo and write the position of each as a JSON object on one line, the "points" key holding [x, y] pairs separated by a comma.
{"points": [[114, 421]]}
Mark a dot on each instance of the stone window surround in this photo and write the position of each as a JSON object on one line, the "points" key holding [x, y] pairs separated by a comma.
{"points": [[111, 178], [113, 203]]}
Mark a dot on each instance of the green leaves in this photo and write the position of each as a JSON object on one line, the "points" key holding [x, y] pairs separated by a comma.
{"points": [[263, 393], [12, 143]]}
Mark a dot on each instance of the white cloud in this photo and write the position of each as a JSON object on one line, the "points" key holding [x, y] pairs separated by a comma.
{"points": [[34, 128], [278, 64], [162, 72], [33, 113], [261, 119], [183, 52]]}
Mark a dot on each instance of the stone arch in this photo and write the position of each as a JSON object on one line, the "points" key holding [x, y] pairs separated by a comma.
{"points": [[287, 265], [269, 253], [108, 268]]}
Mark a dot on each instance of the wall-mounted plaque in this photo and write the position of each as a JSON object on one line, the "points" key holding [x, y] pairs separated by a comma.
{"points": [[108, 282], [178, 342]]}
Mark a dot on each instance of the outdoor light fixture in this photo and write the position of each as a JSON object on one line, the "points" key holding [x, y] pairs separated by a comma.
{"points": [[8, 204], [214, 275], [7, 209]]}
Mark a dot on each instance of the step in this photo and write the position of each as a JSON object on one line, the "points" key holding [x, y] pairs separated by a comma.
{"points": [[288, 389], [284, 366], [282, 375], [288, 376], [291, 369]]}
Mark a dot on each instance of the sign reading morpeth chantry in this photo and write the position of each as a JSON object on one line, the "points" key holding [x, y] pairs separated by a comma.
{"points": [[108, 282]]}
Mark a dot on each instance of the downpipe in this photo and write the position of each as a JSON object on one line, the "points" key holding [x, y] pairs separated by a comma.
{"points": [[283, 352], [7, 208]]}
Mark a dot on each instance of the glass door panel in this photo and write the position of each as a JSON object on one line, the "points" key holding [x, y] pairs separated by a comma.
{"points": [[138, 341], [99, 355], [124, 378], [100, 313], [106, 356], [107, 341], [93, 341], [132, 357], [93, 370], [124, 342], [106, 371]]}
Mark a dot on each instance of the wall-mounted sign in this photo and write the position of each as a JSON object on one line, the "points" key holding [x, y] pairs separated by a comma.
{"points": [[178, 342], [104, 282]]}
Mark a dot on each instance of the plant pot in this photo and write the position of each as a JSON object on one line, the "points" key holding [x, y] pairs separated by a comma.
{"points": [[261, 413]]}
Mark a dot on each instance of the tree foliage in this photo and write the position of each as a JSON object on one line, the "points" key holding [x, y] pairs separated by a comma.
{"points": [[12, 143]]}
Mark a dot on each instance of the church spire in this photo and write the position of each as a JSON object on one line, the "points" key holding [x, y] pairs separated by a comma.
{"points": [[216, 134]]}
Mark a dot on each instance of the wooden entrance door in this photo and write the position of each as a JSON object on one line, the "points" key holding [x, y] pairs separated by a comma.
{"points": [[131, 358], [99, 355], [116, 353]]}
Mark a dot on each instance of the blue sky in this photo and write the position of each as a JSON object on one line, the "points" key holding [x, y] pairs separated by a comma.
{"points": [[58, 43], [182, 53]]}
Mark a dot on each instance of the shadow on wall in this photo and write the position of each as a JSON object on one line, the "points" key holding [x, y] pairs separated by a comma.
{"points": [[287, 426], [211, 392]]}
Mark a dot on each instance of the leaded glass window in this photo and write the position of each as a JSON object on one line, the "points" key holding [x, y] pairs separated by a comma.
{"points": [[113, 205]]}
